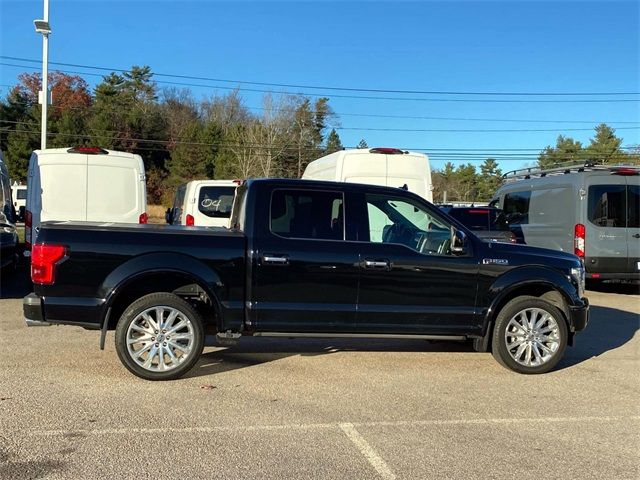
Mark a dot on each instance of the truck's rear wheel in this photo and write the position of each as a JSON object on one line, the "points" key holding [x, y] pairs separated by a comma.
{"points": [[530, 335], [159, 337]]}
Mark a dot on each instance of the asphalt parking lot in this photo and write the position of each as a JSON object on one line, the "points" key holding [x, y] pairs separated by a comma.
{"points": [[297, 409]]}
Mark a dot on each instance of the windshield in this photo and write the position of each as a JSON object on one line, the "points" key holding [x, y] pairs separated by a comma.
{"points": [[480, 219], [216, 201]]}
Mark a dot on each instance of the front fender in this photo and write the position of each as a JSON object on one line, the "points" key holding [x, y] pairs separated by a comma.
{"points": [[518, 279]]}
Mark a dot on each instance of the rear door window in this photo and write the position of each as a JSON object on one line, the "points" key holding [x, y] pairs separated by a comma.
{"points": [[516, 207], [607, 205], [216, 201], [307, 214], [21, 194]]}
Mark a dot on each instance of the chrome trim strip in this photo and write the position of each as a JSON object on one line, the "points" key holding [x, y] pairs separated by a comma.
{"points": [[360, 335]]}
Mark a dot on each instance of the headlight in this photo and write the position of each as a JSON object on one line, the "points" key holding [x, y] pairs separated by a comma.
{"points": [[578, 276]]}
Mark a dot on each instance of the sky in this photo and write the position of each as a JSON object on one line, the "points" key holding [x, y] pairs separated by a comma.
{"points": [[446, 46]]}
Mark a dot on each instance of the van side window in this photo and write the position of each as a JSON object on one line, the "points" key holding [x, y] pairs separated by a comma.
{"points": [[516, 207], [633, 199], [307, 214], [607, 205], [394, 220]]}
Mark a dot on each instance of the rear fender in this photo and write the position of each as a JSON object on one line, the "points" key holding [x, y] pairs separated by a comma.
{"points": [[136, 268]]}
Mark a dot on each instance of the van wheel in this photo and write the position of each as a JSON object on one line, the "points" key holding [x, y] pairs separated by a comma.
{"points": [[530, 335], [159, 337]]}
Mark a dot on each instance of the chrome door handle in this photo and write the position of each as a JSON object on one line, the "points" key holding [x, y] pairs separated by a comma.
{"points": [[275, 260], [376, 263]]}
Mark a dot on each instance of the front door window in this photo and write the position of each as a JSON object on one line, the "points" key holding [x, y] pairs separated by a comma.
{"points": [[404, 222]]}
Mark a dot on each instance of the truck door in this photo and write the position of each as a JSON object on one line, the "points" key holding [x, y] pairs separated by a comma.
{"points": [[410, 282], [305, 275]]}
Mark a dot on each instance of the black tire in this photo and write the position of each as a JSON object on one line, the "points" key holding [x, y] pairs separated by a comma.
{"points": [[170, 302], [499, 341]]}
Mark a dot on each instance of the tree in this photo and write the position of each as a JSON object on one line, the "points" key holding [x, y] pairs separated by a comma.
{"points": [[362, 144], [605, 146], [333, 142], [567, 151], [489, 180]]}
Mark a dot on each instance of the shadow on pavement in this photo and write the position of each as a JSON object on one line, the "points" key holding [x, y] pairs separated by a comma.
{"points": [[608, 329], [15, 284], [627, 288], [255, 351]]}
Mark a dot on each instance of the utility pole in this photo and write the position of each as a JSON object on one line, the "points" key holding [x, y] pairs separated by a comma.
{"points": [[42, 26]]}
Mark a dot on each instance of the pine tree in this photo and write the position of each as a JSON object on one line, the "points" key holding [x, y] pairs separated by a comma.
{"points": [[362, 144], [333, 142], [605, 146]]}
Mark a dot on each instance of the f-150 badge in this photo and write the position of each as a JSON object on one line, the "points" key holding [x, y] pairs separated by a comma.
{"points": [[495, 261]]}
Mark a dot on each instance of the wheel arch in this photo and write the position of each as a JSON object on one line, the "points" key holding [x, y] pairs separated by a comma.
{"points": [[543, 283], [159, 273]]}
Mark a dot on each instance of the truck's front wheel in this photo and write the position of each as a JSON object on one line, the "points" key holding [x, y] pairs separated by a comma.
{"points": [[159, 337], [530, 335]]}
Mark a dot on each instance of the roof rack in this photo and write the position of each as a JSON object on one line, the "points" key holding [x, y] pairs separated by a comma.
{"points": [[536, 172]]}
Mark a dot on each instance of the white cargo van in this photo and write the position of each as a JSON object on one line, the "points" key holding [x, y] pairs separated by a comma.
{"points": [[19, 194], [389, 167], [84, 184], [203, 203]]}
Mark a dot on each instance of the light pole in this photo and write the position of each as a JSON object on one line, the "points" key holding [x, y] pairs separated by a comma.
{"points": [[42, 26]]}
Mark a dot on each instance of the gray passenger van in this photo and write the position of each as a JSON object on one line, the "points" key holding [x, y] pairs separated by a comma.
{"points": [[591, 211]]}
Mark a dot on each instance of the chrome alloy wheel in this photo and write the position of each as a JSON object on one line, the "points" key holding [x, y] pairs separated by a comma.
{"points": [[160, 338], [532, 337]]}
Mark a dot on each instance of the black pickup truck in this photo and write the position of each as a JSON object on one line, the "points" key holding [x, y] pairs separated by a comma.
{"points": [[306, 259]]}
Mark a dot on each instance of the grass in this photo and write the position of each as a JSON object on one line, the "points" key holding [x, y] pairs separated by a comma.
{"points": [[156, 213]]}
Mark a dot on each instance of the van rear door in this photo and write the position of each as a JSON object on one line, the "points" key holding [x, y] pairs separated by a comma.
{"points": [[63, 187], [633, 224], [606, 250], [115, 189]]}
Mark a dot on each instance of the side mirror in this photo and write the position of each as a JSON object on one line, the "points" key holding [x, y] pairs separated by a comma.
{"points": [[458, 242], [167, 216]]}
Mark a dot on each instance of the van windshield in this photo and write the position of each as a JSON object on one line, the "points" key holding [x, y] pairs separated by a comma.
{"points": [[216, 201]]}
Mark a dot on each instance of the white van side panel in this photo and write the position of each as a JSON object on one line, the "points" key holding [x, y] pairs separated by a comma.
{"points": [[62, 188], [325, 168], [114, 190], [361, 166], [364, 168]]}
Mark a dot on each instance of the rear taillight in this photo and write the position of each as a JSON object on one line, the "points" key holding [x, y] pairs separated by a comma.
{"points": [[579, 240], [88, 150], [43, 262], [513, 238], [387, 151], [28, 219], [143, 218], [190, 221]]}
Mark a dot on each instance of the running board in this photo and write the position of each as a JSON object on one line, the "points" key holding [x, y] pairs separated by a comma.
{"points": [[360, 335]]}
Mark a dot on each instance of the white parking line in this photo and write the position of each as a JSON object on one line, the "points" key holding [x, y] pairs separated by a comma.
{"points": [[367, 450], [317, 426]]}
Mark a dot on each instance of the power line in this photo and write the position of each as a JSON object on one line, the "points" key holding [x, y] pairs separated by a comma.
{"points": [[358, 97], [447, 130], [325, 87], [373, 115]]}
